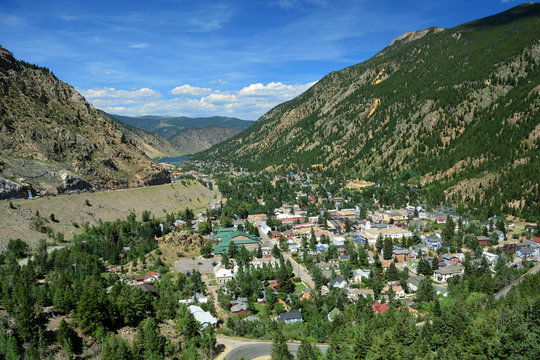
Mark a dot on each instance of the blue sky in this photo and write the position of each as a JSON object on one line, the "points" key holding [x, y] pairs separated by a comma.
{"points": [[203, 58]]}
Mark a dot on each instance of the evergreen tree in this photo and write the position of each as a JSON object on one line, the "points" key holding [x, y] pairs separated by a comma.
{"points": [[280, 351], [388, 248], [308, 351]]}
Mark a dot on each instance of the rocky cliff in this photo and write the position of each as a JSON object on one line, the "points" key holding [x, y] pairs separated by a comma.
{"points": [[52, 140]]}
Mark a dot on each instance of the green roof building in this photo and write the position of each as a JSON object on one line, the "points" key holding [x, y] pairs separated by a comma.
{"points": [[224, 237]]}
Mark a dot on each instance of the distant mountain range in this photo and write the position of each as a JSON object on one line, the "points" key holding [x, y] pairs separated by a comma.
{"points": [[53, 141], [186, 135], [454, 110]]}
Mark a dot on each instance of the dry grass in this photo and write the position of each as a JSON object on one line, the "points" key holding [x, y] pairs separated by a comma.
{"points": [[107, 206]]}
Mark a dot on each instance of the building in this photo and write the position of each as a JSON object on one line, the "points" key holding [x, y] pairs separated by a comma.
{"points": [[449, 259], [223, 275], [224, 237], [290, 317], [433, 242], [148, 278], [379, 308], [371, 233], [443, 274], [400, 254], [338, 282], [358, 274], [203, 317], [482, 240]]}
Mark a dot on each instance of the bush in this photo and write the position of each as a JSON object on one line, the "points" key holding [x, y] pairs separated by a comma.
{"points": [[158, 252]]}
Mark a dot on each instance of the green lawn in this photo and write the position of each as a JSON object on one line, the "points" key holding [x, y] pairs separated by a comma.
{"points": [[299, 287]]}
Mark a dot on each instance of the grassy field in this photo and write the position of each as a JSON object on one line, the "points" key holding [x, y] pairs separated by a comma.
{"points": [[107, 206]]}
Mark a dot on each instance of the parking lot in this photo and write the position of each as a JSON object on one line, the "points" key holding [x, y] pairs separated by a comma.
{"points": [[204, 266]]}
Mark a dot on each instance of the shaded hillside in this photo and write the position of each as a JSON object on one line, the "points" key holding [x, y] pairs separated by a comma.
{"points": [[153, 145], [167, 127], [53, 141], [456, 110], [192, 140]]}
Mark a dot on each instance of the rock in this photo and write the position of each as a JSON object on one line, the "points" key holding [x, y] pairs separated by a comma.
{"points": [[71, 182], [10, 189]]}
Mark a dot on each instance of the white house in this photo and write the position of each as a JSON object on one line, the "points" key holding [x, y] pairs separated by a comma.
{"points": [[446, 272], [203, 317], [358, 274]]}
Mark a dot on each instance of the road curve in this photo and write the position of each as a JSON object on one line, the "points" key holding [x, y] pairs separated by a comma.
{"points": [[256, 350]]}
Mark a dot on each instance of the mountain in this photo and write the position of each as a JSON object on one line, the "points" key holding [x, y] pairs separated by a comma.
{"points": [[153, 145], [455, 110], [53, 141], [168, 127], [192, 140]]}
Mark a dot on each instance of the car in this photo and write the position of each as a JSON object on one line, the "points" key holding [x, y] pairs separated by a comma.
{"points": [[192, 258], [199, 263]]}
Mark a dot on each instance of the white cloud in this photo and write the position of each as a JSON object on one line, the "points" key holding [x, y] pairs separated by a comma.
{"points": [[139, 46], [190, 90], [219, 81], [250, 102], [112, 97]]}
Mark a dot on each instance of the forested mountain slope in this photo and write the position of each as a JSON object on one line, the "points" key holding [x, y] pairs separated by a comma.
{"points": [[52, 140], [168, 126], [455, 110]]}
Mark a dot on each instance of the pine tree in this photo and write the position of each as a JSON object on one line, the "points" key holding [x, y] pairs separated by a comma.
{"points": [[280, 351], [388, 248]]}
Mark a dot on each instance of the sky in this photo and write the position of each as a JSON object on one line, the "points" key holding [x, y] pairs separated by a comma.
{"points": [[204, 58]]}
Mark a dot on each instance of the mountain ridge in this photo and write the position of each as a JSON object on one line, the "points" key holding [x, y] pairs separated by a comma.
{"points": [[440, 96], [53, 141]]}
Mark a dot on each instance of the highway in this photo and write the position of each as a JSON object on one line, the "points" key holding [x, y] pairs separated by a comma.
{"points": [[507, 288], [252, 351]]}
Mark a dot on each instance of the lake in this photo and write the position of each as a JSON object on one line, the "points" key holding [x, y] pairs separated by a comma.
{"points": [[175, 160]]}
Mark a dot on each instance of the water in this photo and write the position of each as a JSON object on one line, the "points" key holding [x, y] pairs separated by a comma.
{"points": [[175, 160]]}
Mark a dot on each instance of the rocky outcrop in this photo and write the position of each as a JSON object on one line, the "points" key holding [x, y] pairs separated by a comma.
{"points": [[52, 139]]}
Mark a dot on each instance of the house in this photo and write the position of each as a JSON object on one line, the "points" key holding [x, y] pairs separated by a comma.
{"points": [[482, 240], [257, 217], [536, 239], [491, 258], [203, 317], [358, 274], [333, 314], [443, 274], [449, 259], [414, 283], [400, 254], [441, 221], [379, 308], [338, 241], [338, 282], [433, 242], [241, 308], [223, 275], [525, 251], [290, 317], [146, 288], [397, 289], [148, 278], [354, 294]]}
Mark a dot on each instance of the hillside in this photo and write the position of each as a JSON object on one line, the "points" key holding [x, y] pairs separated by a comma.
{"points": [[153, 145], [189, 141], [455, 110], [52, 141], [167, 126], [107, 206]]}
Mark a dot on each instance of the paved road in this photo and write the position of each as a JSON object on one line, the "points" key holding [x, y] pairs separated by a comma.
{"points": [[254, 350], [507, 288], [297, 268], [24, 261]]}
